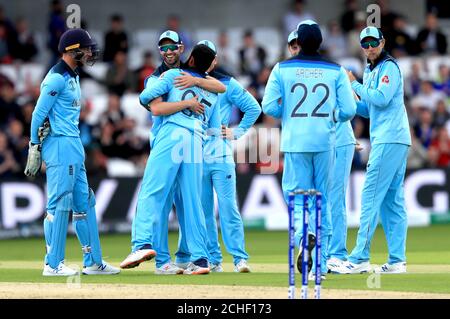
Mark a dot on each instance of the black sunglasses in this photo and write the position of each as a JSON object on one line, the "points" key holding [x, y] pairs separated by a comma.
{"points": [[373, 43], [167, 47]]}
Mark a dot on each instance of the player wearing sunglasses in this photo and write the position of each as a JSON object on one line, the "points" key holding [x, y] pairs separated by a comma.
{"points": [[381, 100]]}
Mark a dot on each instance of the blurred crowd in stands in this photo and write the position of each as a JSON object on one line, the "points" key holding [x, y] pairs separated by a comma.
{"points": [[113, 134]]}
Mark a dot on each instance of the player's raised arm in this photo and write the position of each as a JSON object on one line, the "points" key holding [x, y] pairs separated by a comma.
{"points": [[381, 95], [159, 107], [273, 94], [158, 88], [185, 80]]}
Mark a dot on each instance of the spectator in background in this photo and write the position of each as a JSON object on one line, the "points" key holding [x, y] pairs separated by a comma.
{"points": [[348, 21], [334, 43], [117, 138], [418, 154], [144, 71], [111, 123], [7, 23], [227, 62], [296, 15], [174, 24], [423, 129], [430, 39], [441, 115], [413, 82], [8, 164], [439, 152], [27, 112], [9, 35], [387, 17], [25, 48], [260, 82], [56, 27], [18, 141], [5, 56], [252, 56], [354, 46], [9, 109], [442, 83], [400, 43], [116, 39], [428, 97], [119, 78]]}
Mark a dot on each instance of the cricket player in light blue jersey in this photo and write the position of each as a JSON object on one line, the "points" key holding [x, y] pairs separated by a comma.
{"points": [[178, 155], [63, 154], [381, 100], [345, 148], [219, 174], [170, 47], [314, 94]]}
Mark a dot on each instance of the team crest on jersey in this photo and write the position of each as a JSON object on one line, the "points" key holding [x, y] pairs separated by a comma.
{"points": [[72, 85], [76, 103], [385, 79]]}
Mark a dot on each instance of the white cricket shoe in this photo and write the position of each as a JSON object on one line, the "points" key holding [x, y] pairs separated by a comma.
{"points": [[169, 269], [103, 269], [312, 276], [334, 263], [216, 267], [137, 257], [351, 268], [61, 270], [182, 265], [193, 269], [397, 268], [242, 266]]}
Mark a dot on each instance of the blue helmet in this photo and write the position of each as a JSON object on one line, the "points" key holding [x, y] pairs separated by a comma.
{"points": [[75, 39]]}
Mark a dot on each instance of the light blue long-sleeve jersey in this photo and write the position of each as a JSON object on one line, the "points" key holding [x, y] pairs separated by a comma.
{"points": [[382, 101], [235, 95], [156, 120], [198, 123], [315, 93], [344, 134], [60, 101]]}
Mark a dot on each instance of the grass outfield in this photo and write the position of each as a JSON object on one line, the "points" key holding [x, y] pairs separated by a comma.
{"points": [[428, 254]]}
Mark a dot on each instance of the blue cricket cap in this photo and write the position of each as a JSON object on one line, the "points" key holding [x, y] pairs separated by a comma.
{"points": [[309, 36], [371, 32], [209, 44], [171, 35], [292, 36]]}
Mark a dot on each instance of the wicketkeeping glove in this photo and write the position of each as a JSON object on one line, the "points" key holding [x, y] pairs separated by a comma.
{"points": [[34, 160], [44, 130]]}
